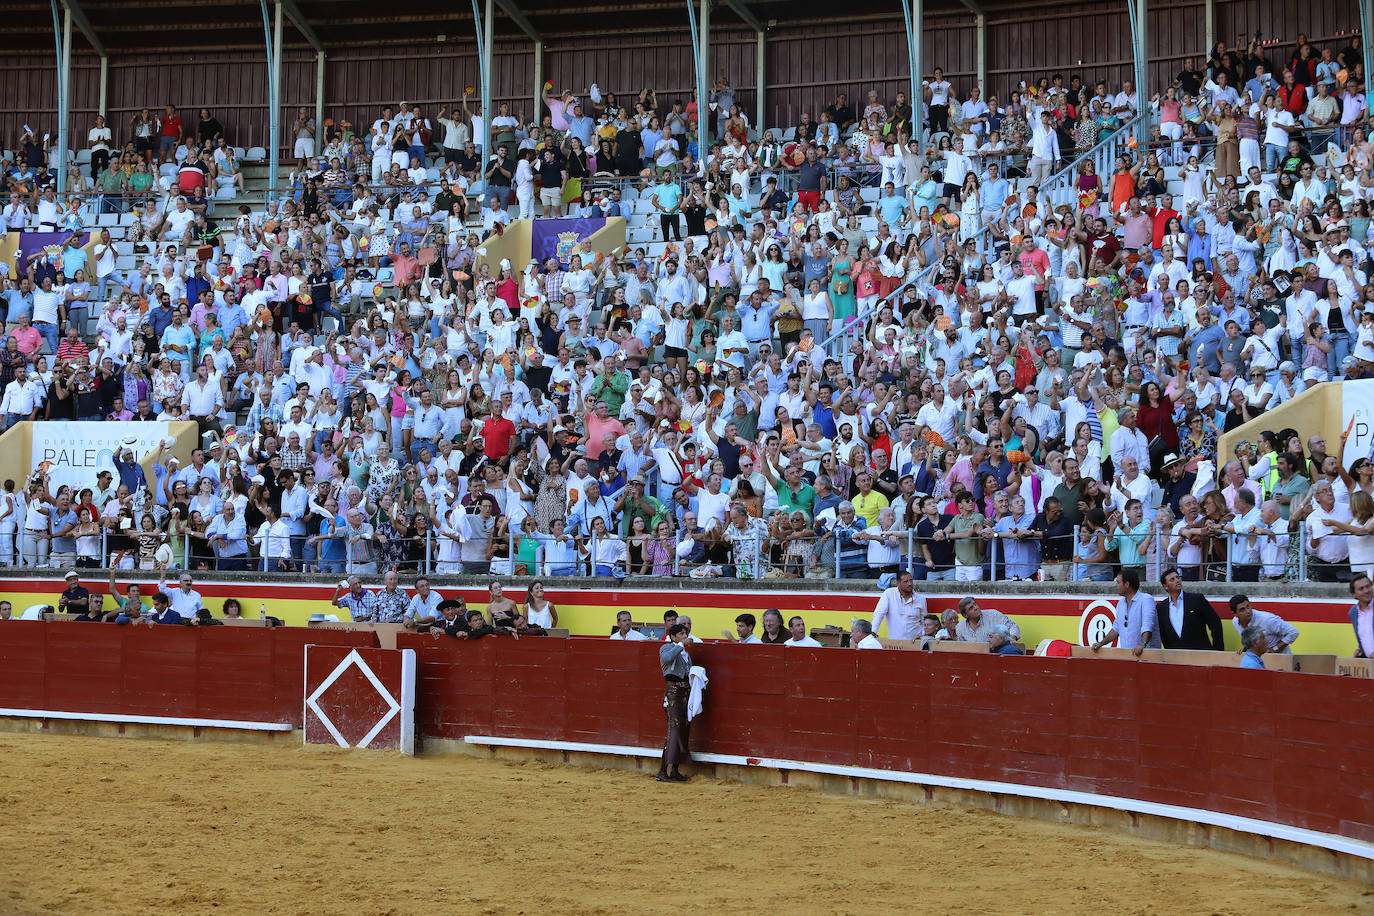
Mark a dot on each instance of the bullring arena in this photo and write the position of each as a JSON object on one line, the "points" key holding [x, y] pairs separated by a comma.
{"points": [[277, 829], [396, 404], [827, 779]]}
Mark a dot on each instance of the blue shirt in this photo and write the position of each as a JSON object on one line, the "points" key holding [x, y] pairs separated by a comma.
{"points": [[332, 550], [131, 475], [1204, 348], [63, 544], [890, 208], [232, 316], [18, 303], [926, 196], [73, 259], [160, 318], [995, 192], [756, 324], [668, 196], [1251, 660]]}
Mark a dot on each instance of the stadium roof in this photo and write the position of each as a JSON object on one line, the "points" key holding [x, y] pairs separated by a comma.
{"points": [[144, 26]]}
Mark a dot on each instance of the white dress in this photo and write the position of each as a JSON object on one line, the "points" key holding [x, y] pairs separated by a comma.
{"points": [[1193, 192], [1361, 553], [970, 217]]}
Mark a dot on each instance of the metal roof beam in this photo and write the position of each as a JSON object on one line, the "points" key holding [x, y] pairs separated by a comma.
{"points": [[741, 9], [81, 22], [302, 24], [510, 8], [973, 6]]}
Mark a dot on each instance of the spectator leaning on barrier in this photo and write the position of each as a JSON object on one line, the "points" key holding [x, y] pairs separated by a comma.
{"points": [[1136, 625], [979, 622], [1280, 633]]}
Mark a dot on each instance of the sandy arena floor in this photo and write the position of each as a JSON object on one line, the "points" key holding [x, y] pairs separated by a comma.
{"points": [[100, 825]]}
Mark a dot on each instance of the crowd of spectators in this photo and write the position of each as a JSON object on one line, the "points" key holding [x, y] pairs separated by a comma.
{"points": [[1046, 404]]}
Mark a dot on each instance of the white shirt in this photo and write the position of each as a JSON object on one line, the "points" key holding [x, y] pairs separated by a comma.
{"points": [[202, 399], [185, 603], [903, 615], [711, 508], [20, 397], [1273, 135], [1176, 613], [1279, 631], [1332, 547], [804, 641], [869, 642], [632, 636], [1130, 442], [45, 307], [940, 419]]}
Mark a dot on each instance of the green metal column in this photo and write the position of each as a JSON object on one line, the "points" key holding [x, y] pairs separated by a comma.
{"points": [[913, 11], [1140, 50], [1367, 32]]}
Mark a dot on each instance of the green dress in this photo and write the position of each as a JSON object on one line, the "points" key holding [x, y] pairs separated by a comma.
{"points": [[846, 303]]}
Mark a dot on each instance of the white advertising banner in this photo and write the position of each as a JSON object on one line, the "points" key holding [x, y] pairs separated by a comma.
{"points": [[77, 452], [1357, 415]]}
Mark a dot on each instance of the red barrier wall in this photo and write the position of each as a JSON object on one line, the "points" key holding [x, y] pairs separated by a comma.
{"points": [[237, 673], [1290, 748]]}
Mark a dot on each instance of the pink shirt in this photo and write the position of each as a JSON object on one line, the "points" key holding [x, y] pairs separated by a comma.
{"points": [[963, 472], [596, 428], [1038, 260], [29, 339], [558, 111], [276, 288]]}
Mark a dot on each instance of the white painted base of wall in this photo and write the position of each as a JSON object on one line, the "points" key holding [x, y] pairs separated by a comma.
{"points": [[1332, 842], [147, 720]]}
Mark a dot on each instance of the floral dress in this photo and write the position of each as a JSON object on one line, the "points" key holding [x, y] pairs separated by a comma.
{"points": [[394, 544], [549, 503], [1207, 448], [382, 477]]}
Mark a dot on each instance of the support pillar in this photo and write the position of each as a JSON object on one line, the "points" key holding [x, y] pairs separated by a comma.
{"points": [[274, 109], [539, 83], [1209, 16], [761, 81], [488, 37], [64, 82], [913, 12], [104, 84], [1367, 32], [319, 102], [980, 24], [1140, 48], [703, 80]]}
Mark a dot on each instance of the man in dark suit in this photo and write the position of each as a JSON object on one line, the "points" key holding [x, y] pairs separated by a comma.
{"points": [[162, 612], [1186, 621]]}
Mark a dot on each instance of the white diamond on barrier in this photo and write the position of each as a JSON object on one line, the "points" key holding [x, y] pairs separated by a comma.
{"points": [[353, 658]]}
